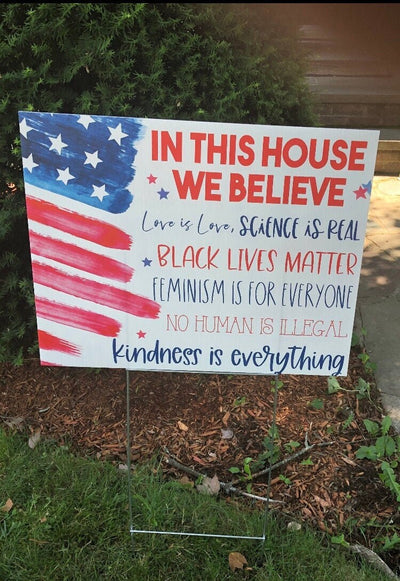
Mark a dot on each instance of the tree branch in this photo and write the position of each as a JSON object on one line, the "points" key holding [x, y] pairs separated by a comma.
{"points": [[285, 461], [228, 488]]}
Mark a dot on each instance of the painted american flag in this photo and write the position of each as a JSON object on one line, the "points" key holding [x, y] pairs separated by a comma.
{"points": [[79, 173]]}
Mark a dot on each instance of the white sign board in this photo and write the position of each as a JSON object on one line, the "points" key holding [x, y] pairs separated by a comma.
{"points": [[191, 246]]}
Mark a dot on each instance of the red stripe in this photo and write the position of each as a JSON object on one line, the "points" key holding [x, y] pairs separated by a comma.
{"points": [[76, 224], [77, 318], [96, 292], [53, 343], [86, 260]]}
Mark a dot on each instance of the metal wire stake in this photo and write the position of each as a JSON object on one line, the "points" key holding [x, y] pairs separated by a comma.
{"points": [[132, 530], [273, 429], [128, 456]]}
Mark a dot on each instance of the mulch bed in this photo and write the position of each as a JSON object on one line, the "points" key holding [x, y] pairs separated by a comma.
{"points": [[211, 423]]}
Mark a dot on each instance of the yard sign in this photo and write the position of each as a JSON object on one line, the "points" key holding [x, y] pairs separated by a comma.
{"points": [[191, 246]]}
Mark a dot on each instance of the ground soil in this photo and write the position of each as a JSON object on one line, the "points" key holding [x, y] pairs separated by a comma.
{"points": [[211, 423]]}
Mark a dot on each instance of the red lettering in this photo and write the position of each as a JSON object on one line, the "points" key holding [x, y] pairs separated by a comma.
{"points": [[212, 185], [291, 144], [318, 164], [244, 142], [213, 148], [256, 182], [154, 145], [188, 186], [299, 190], [356, 155], [268, 151], [237, 190], [337, 148], [167, 145], [335, 195], [191, 187], [198, 138]]}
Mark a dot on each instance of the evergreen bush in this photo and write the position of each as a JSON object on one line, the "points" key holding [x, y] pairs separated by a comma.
{"points": [[213, 62]]}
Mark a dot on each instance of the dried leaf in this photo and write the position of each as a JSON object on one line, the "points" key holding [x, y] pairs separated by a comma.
{"points": [[348, 461], [199, 461], [34, 439], [226, 434], [294, 526], [209, 486], [208, 433], [7, 506], [321, 501], [182, 426], [185, 481], [13, 422], [226, 418], [237, 561]]}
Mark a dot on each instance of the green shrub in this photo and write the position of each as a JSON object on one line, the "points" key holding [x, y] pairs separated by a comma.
{"points": [[214, 62]]}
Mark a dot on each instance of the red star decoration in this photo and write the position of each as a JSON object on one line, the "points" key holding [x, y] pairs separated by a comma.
{"points": [[152, 179], [141, 334], [361, 192]]}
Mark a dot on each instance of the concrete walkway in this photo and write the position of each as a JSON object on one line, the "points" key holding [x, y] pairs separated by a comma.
{"points": [[378, 303]]}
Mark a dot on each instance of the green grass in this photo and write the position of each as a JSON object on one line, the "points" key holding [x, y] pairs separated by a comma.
{"points": [[70, 520]]}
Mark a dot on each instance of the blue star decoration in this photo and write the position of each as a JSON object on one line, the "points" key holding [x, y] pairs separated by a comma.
{"points": [[147, 261], [65, 153], [368, 187], [163, 194]]}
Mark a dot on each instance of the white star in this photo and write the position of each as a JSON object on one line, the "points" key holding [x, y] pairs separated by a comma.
{"points": [[92, 158], [99, 192], [117, 134], [24, 128], [64, 175], [57, 144], [28, 163], [85, 120]]}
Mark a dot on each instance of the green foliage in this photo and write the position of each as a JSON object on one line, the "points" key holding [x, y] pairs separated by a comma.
{"points": [[369, 366], [214, 62], [63, 517], [362, 389], [385, 451], [339, 540], [357, 340], [271, 445], [317, 404], [269, 456]]}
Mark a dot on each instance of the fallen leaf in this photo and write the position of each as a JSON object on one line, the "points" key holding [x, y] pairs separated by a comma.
{"points": [[199, 461], [182, 426], [226, 418], [324, 503], [34, 439], [237, 561], [13, 422], [209, 486], [226, 434], [7, 506], [294, 526], [208, 433], [348, 461]]}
